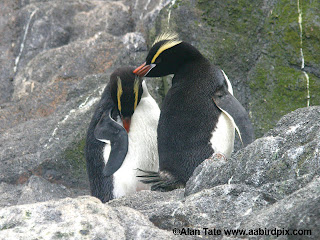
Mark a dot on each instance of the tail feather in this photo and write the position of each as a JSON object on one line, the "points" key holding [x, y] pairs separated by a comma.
{"points": [[161, 181]]}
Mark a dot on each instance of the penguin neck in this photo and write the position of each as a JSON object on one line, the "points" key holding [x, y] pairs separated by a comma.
{"points": [[187, 53], [191, 69], [145, 92]]}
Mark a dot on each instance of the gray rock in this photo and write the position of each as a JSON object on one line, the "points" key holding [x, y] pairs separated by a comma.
{"points": [[8, 35], [298, 211], [9, 194], [240, 193], [36, 189], [282, 157], [80, 218], [40, 190], [61, 54], [224, 206], [158, 206], [45, 139]]}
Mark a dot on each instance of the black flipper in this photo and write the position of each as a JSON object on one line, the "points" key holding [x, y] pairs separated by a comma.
{"points": [[236, 112], [109, 130], [161, 181]]}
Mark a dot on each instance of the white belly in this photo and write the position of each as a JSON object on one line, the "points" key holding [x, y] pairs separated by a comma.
{"points": [[222, 139], [142, 150]]}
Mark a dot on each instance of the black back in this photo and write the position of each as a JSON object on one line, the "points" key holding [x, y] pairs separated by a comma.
{"points": [[100, 185], [188, 116]]}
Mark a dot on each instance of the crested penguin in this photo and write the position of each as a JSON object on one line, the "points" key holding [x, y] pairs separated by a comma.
{"points": [[199, 114], [122, 137]]}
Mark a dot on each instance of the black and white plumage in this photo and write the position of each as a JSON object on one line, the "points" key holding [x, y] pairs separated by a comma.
{"points": [[199, 114], [122, 137]]}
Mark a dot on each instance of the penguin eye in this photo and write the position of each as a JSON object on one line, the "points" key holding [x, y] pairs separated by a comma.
{"points": [[158, 60]]}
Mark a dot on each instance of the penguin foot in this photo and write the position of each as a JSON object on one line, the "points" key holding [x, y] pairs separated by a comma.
{"points": [[162, 181], [216, 155]]}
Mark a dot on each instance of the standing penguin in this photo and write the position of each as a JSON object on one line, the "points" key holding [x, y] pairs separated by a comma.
{"points": [[199, 114], [122, 137]]}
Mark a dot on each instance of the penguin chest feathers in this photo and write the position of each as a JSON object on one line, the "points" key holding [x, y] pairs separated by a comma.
{"points": [[222, 139], [142, 149]]}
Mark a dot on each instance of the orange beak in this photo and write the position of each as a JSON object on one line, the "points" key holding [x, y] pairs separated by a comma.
{"points": [[126, 123], [142, 70]]}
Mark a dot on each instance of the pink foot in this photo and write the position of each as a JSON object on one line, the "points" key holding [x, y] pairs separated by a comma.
{"points": [[218, 155]]}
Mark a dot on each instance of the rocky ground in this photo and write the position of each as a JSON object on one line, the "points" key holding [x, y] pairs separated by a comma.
{"points": [[62, 54], [274, 183], [55, 60]]}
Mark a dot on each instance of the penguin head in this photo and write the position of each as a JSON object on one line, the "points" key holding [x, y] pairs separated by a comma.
{"points": [[126, 91], [166, 56]]}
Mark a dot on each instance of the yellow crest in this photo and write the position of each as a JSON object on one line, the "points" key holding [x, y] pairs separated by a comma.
{"points": [[136, 92], [168, 36], [119, 93], [171, 40]]}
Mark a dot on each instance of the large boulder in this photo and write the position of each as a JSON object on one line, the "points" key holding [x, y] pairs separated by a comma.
{"points": [[272, 183], [287, 156], [57, 58], [81, 218]]}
